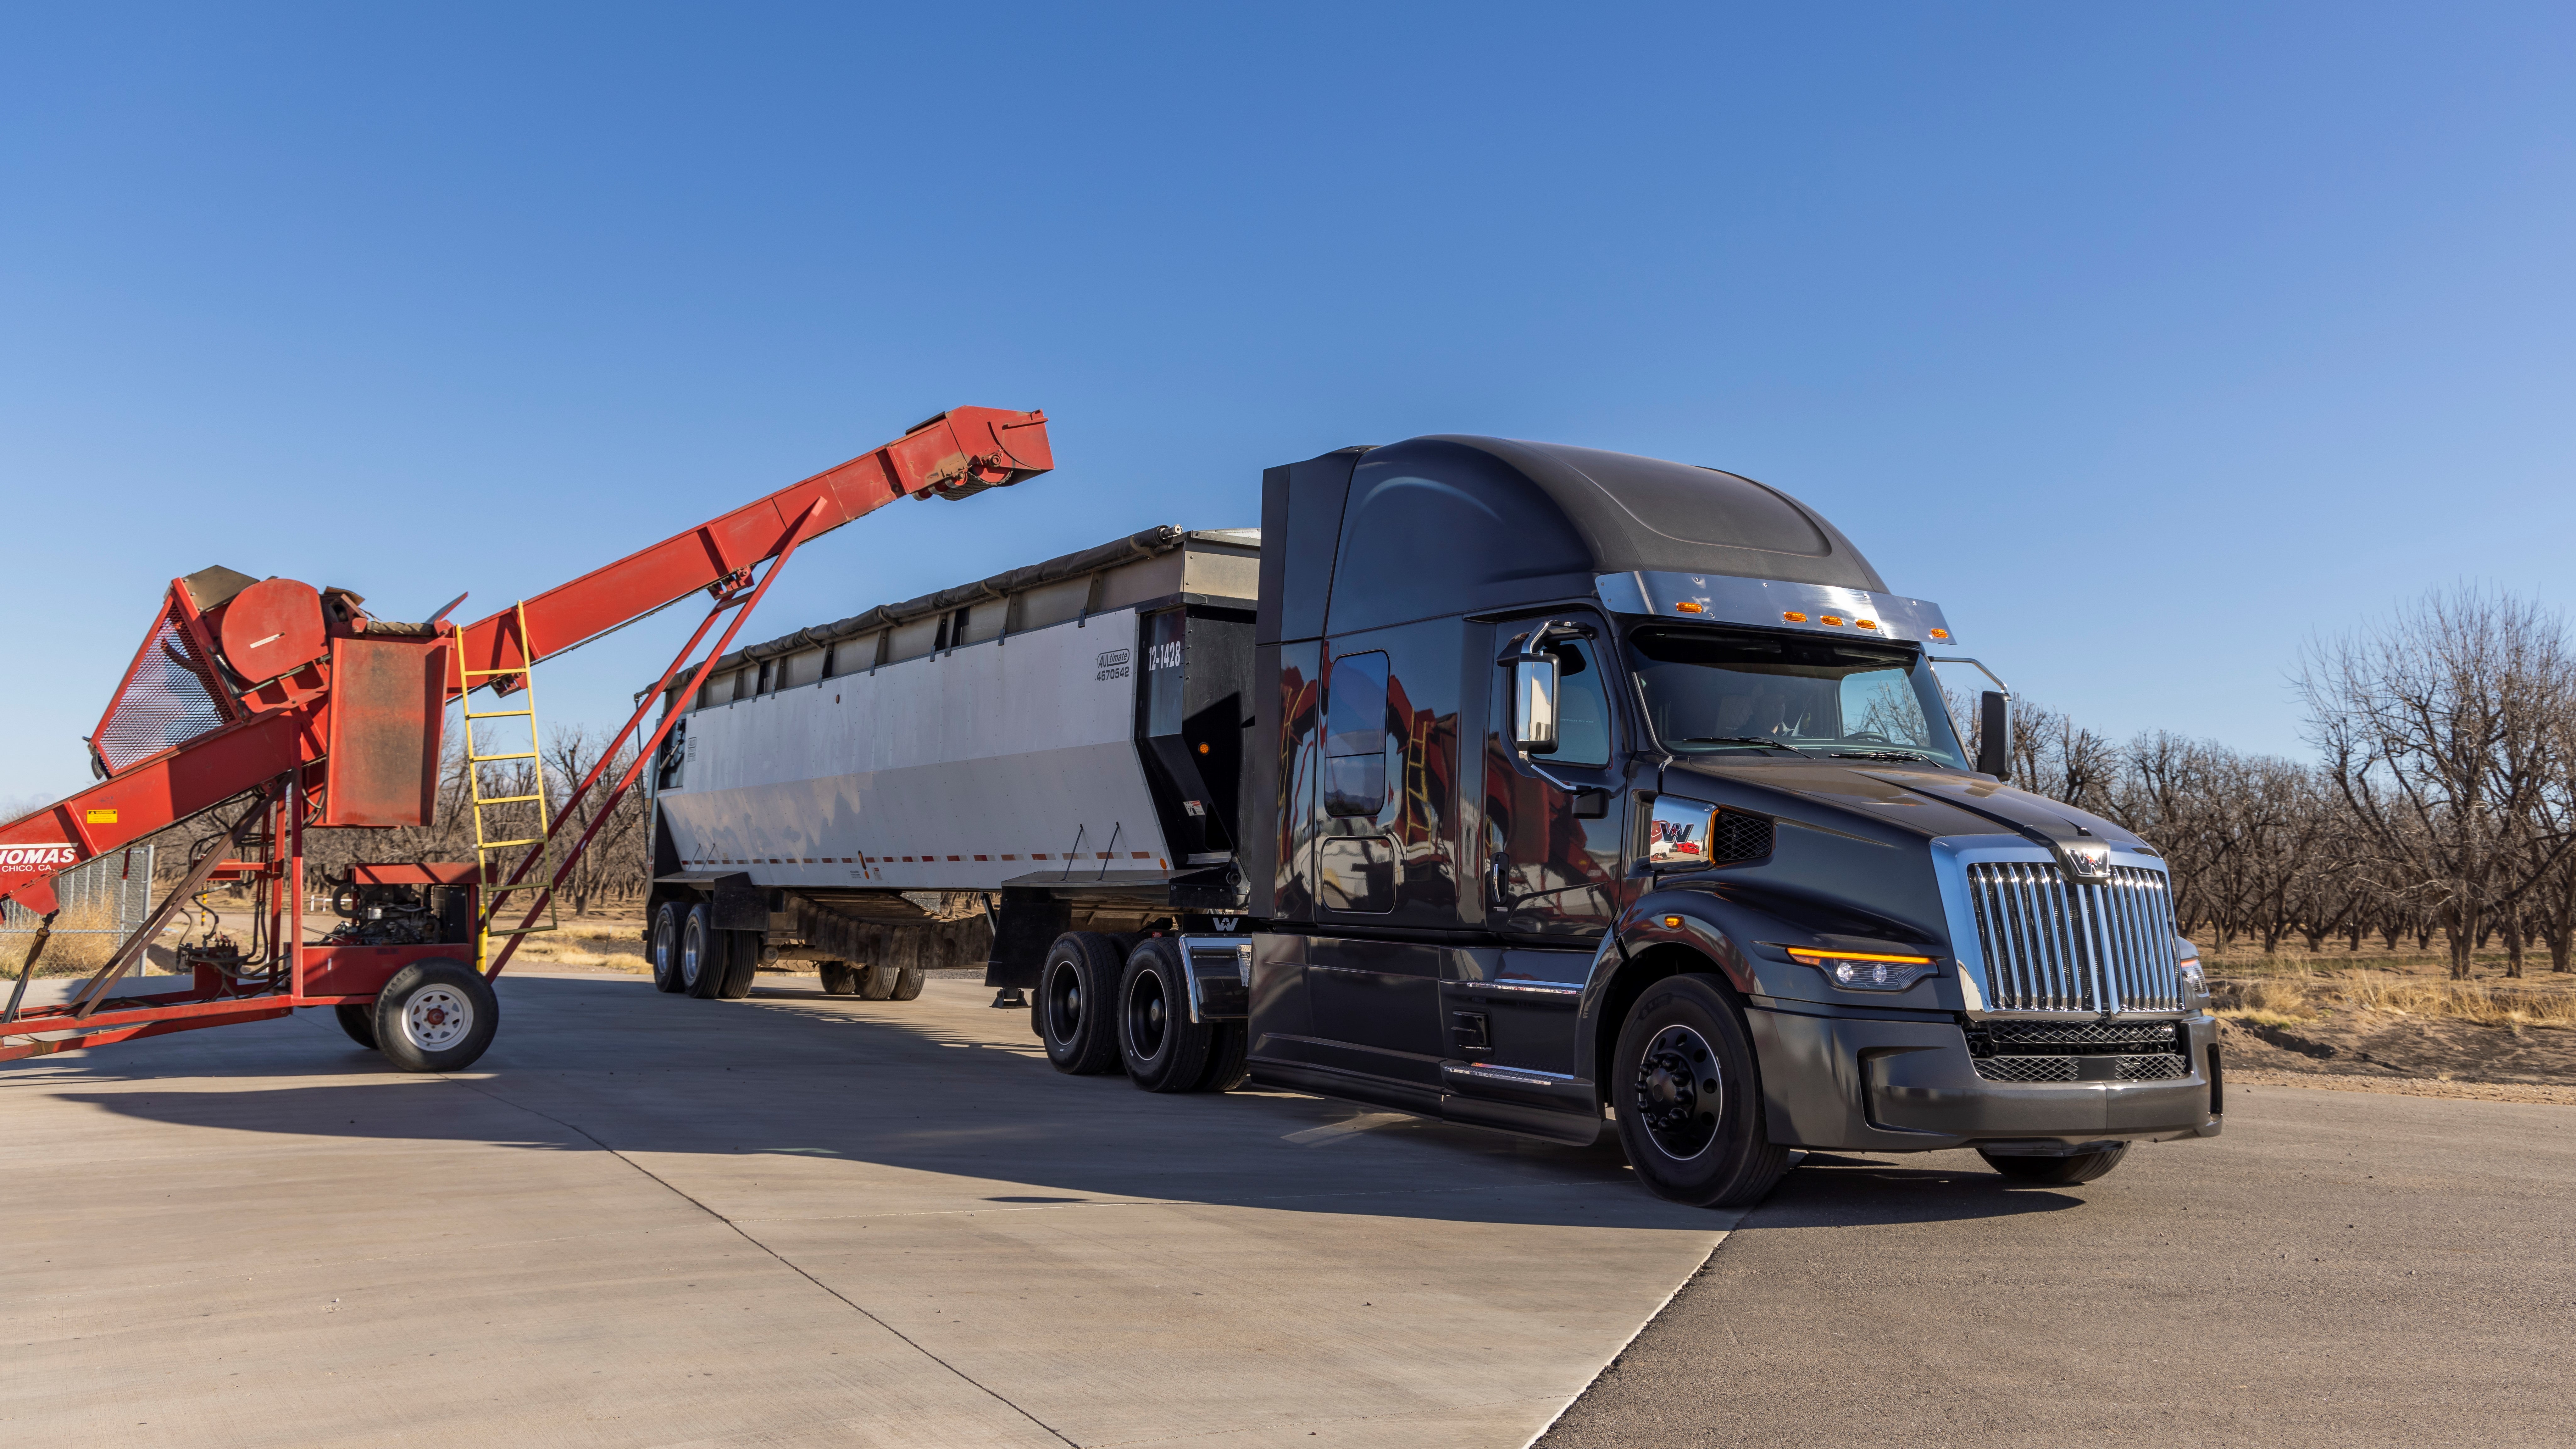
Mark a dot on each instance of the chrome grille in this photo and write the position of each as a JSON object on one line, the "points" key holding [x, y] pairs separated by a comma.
{"points": [[2052, 946]]}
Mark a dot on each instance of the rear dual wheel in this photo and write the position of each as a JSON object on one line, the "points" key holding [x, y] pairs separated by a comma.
{"points": [[1164, 1050]]}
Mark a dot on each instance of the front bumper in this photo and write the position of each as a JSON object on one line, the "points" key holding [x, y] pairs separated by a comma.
{"points": [[1836, 1081]]}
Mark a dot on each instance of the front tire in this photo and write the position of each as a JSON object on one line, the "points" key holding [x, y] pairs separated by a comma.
{"points": [[2056, 1171], [664, 952], [1165, 1051], [1075, 1012], [436, 1016], [1688, 1098]]}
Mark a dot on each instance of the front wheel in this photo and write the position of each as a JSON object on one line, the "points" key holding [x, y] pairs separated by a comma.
{"points": [[1688, 1099], [2056, 1171], [436, 1016]]}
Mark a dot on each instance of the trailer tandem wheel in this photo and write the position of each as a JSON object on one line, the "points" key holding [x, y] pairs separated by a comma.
{"points": [[664, 947], [702, 952], [358, 1019], [740, 962], [1074, 1013], [436, 1016], [907, 984], [840, 978], [876, 983]]}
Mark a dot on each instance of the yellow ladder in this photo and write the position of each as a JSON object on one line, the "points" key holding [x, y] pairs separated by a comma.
{"points": [[484, 845]]}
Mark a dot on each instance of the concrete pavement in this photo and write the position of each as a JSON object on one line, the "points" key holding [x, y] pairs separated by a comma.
{"points": [[646, 1220]]}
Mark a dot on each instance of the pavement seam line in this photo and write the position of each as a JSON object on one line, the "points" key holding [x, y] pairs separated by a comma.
{"points": [[666, 1185], [1630, 1341]]}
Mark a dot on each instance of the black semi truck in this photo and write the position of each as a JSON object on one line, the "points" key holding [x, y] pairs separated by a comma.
{"points": [[1540, 788]]}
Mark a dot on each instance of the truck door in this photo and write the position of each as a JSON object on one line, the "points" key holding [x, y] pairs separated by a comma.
{"points": [[1553, 861], [1384, 843]]}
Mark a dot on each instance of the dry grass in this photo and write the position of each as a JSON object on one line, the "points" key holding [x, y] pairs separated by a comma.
{"points": [[84, 937], [585, 948], [2288, 997]]}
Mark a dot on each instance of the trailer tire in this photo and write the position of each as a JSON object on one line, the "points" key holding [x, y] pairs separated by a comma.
{"points": [[1075, 1008], [907, 984], [1164, 1049], [2057, 1171], [876, 983], [663, 948], [436, 1016], [1688, 1098], [1228, 1064], [840, 978], [741, 963], [702, 953], [358, 1019]]}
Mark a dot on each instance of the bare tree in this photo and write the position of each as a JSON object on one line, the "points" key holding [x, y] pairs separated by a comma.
{"points": [[2441, 730]]}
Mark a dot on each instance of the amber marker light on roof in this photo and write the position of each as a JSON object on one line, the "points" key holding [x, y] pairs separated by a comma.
{"points": [[1833, 619], [1866, 623], [1792, 616], [1940, 633], [1687, 607]]}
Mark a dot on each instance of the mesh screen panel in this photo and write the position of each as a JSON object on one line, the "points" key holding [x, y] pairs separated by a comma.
{"points": [[168, 699]]}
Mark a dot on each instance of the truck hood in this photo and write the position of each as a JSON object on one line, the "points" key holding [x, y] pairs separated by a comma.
{"points": [[1924, 802]]}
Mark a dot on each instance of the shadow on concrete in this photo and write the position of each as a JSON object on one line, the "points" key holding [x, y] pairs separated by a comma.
{"points": [[934, 1087]]}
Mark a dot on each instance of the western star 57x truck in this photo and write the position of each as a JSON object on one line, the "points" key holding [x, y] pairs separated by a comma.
{"points": [[1533, 787]]}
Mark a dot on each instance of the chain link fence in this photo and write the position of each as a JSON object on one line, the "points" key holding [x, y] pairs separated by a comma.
{"points": [[103, 901]]}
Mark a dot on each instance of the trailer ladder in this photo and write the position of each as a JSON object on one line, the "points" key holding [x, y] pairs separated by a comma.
{"points": [[494, 889]]}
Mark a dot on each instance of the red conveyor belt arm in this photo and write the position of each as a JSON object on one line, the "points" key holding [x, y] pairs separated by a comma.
{"points": [[955, 453]]}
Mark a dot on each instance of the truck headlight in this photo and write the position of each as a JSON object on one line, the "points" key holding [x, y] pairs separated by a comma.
{"points": [[1865, 970]]}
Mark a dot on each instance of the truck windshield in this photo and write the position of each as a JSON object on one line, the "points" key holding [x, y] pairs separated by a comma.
{"points": [[1711, 691]]}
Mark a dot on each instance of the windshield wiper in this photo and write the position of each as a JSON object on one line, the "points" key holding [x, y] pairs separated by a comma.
{"points": [[1768, 744], [1885, 755]]}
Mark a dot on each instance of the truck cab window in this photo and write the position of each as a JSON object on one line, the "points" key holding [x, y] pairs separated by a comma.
{"points": [[1355, 735], [1713, 691], [1582, 706]]}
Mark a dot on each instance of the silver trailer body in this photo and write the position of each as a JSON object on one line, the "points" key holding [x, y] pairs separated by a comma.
{"points": [[965, 741]]}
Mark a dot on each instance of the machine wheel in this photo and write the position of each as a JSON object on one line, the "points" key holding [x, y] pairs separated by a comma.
{"points": [[1227, 1067], [1073, 1010], [2057, 1171], [1688, 1101], [876, 983], [436, 1016], [1165, 1051], [840, 978], [358, 1019], [663, 950], [702, 953], [742, 963], [907, 984]]}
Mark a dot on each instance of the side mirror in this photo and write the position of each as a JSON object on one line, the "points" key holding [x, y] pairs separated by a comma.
{"points": [[1534, 703], [1677, 833], [1994, 735]]}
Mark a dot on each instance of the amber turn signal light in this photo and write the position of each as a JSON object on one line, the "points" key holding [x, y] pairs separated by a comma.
{"points": [[1834, 619], [1674, 922], [1687, 607], [1792, 616]]}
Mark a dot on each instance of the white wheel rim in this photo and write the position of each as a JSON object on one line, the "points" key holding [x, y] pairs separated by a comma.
{"points": [[436, 1018]]}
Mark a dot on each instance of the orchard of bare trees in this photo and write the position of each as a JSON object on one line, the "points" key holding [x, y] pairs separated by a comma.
{"points": [[2442, 804]]}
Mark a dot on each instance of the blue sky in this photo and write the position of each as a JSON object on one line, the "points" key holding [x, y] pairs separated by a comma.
{"points": [[2149, 341]]}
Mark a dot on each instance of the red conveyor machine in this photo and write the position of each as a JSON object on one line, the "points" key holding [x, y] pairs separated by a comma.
{"points": [[271, 707]]}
